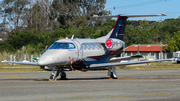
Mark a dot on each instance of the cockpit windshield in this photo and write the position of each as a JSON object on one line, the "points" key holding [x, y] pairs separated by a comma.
{"points": [[58, 45]]}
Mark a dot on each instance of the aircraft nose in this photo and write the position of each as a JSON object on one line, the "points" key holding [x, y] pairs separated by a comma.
{"points": [[52, 57], [45, 60], [41, 62]]}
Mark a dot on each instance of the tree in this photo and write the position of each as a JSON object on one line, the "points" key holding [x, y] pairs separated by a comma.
{"points": [[173, 43], [77, 13], [13, 11], [38, 16], [3, 26]]}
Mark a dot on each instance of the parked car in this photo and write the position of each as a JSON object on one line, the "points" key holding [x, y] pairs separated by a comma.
{"points": [[178, 60], [177, 55]]}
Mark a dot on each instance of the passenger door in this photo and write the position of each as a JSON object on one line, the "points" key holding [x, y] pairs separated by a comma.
{"points": [[79, 49]]}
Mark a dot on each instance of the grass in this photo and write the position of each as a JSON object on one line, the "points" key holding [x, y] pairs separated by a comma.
{"points": [[6, 70], [19, 68]]}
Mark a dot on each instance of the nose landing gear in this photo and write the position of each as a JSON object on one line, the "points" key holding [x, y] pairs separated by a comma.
{"points": [[59, 71]]}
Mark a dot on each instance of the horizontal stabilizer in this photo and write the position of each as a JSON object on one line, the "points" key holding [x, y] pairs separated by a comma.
{"points": [[122, 15]]}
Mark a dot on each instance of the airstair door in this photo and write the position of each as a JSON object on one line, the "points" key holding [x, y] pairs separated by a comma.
{"points": [[79, 49]]}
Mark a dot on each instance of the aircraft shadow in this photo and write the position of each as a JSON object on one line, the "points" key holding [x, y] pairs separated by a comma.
{"points": [[98, 78], [68, 79]]}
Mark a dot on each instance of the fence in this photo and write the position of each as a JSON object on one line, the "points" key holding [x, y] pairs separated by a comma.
{"points": [[10, 57]]}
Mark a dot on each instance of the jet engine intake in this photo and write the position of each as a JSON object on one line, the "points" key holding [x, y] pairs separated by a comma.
{"points": [[114, 44]]}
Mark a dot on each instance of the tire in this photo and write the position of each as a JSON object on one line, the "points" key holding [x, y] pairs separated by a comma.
{"points": [[112, 76], [63, 75], [51, 76]]}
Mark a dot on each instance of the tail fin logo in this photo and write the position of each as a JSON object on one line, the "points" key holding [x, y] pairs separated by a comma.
{"points": [[108, 43]]}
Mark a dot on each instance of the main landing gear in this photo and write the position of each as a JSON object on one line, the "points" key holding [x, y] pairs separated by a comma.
{"points": [[59, 71], [112, 72]]}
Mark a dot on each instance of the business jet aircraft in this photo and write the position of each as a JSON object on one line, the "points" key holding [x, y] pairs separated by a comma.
{"points": [[85, 54]]}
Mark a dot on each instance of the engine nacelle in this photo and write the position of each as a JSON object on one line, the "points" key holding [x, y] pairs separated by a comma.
{"points": [[114, 44]]}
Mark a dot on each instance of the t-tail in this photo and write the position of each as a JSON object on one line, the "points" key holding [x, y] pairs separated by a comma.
{"points": [[119, 27]]}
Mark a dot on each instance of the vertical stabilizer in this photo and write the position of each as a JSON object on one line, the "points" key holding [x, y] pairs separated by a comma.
{"points": [[119, 27]]}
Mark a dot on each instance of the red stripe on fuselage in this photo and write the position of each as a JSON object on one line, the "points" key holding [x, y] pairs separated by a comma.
{"points": [[115, 24]]}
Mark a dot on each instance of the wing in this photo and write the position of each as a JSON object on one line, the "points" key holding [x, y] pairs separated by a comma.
{"points": [[125, 63], [21, 62], [125, 58]]}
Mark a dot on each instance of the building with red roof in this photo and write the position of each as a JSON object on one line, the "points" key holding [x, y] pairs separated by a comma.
{"points": [[144, 48], [151, 51]]}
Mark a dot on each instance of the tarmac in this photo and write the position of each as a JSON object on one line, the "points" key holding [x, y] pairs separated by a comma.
{"points": [[131, 85]]}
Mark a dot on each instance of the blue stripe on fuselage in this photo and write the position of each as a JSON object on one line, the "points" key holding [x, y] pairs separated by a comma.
{"points": [[105, 60]]}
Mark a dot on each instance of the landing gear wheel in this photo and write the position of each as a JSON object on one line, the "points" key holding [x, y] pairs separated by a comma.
{"points": [[178, 62], [52, 76], [112, 76], [63, 75]]}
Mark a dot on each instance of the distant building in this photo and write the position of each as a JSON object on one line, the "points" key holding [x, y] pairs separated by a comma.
{"points": [[151, 51]]}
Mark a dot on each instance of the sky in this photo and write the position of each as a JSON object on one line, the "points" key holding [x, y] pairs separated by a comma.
{"points": [[170, 7]]}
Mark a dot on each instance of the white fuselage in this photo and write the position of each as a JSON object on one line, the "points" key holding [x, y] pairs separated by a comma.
{"points": [[69, 51]]}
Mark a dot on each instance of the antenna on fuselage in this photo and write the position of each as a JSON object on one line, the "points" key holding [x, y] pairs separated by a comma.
{"points": [[72, 36]]}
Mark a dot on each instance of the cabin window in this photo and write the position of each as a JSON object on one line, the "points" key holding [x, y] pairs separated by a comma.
{"points": [[99, 46], [96, 46], [92, 46], [88, 47], [84, 47], [71, 46]]}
